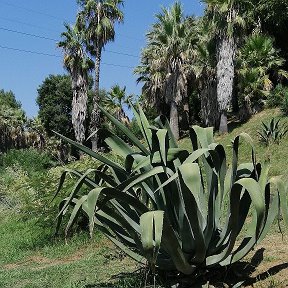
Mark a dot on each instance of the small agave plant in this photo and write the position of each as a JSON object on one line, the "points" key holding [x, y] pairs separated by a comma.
{"points": [[177, 210], [272, 132]]}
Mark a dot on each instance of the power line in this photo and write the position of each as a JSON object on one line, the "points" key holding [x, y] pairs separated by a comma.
{"points": [[47, 29], [27, 24], [31, 10], [29, 51], [58, 56], [27, 34], [55, 40], [57, 18]]}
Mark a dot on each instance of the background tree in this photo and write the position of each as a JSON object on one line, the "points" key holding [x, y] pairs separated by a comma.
{"points": [[227, 17], [98, 18], [78, 65], [163, 66], [54, 100], [257, 60], [12, 122], [115, 101]]}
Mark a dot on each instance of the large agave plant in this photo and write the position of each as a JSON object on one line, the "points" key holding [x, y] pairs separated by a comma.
{"points": [[180, 210]]}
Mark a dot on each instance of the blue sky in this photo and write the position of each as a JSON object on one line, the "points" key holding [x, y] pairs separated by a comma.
{"points": [[23, 72]]}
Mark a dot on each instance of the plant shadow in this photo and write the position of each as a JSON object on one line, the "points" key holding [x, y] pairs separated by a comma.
{"points": [[219, 277]]}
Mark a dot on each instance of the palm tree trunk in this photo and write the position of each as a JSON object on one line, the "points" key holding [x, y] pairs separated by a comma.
{"points": [[209, 105], [79, 105], [96, 115], [174, 119], [225, 78]]}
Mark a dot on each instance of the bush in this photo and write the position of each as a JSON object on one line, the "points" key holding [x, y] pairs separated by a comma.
{"points": [[284, 104], [182, 212], [277, 96], [31, 160]]}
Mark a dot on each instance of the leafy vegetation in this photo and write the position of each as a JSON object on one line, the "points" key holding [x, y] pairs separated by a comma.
{"points": [[165, 201]]}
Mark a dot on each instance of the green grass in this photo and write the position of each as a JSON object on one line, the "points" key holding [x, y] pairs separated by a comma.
{"points": [[275, 154], [31, 257]]}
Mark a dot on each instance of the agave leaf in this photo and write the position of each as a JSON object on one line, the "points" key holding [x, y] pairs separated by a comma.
{"points": [[203, 135], [77, 188], [257, 198], [172, 154], [171, 245], [125, 249], [74, 213], [125, 130], [92, 153], [137, 179], [164, 124], [151, 224], [116, 144], [193, 209], [162, 136]]}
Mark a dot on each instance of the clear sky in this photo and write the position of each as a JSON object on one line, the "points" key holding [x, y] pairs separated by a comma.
{"points": [[23, 72]]}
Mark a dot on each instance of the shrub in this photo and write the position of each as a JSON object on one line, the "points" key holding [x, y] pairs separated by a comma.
{"points": [[277, 96], [181, 211], [284, 104], [31, 160]]}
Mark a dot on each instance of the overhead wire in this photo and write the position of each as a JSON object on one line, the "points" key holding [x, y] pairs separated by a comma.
{"points": [[55, 40], [58, 56], [55, 17]]}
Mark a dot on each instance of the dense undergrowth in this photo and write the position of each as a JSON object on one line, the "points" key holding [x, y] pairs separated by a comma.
{"points": [[31, 255]]}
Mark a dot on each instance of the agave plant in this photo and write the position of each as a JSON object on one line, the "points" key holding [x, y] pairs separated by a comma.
{"points": [[179, 210], [272, 132]]}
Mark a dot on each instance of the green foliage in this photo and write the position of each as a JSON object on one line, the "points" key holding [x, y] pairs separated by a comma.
{"points": [[284, 104], [272, 132], [31, 160], [256, 58], [8, 99], [55, 104], [181, 211], [12, 122], [277, 96]]}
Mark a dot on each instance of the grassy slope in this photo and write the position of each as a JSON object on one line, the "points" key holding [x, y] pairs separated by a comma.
{"points": [[28, 258]]}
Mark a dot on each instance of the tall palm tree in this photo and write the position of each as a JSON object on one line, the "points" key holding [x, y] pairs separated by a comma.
{"points": [[98, 18], [227, 16], [204, 70], [78, 64], [163, 66]]}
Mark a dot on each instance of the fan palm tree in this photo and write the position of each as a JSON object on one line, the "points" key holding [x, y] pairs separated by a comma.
{"points": [[78, 64], [228, 17], [204, 70], [114, 102], [164, 60], [256, 60], [97, 19]]}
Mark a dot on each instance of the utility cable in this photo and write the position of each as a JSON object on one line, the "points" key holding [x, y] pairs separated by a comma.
{"points": [[58, 56], [55, 40]]}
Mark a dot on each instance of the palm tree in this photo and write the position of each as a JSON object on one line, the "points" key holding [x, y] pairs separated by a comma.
{"points": [[227, 16], [164, 61], [204, 70], [114, 102], [97, 19], [257, 58], [78, 64]]}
